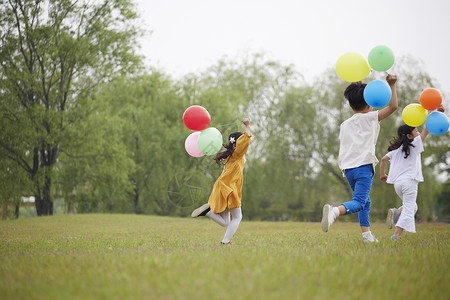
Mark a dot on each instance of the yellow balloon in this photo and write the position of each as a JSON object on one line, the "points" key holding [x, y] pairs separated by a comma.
{"points": [[414, 115], [352, 67]]}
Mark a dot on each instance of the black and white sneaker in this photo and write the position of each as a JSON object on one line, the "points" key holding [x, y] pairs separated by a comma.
{"points": [[201, 211]]}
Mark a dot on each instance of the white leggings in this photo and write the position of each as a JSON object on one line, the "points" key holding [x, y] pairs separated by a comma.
{"points": [[407, 191], [223, 219]]}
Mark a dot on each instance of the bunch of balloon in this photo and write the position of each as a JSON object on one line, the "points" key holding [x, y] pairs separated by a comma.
{"points": [[416, 114], [378, 93], [437, 122], [353, 67], [204, 140]]}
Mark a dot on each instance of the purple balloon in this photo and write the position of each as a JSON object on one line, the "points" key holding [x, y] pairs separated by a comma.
{"points": [[191, 145]]}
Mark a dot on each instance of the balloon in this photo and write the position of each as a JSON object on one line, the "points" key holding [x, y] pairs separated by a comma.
{"points": [[414, 115], [352, 67], [191, 145], [210, 141], [377, 93], [437, 123], [430, 98], [196, 118], [381, 58]]}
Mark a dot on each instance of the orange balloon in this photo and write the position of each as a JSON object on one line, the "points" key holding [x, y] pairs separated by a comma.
{"points": [[430, 98]]}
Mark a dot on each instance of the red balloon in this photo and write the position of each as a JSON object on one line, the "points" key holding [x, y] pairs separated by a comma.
{"points": [[431, 98], [196, 118]]}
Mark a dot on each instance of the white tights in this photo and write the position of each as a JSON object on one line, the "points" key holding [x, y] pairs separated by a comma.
{"points": [[223, 219]]}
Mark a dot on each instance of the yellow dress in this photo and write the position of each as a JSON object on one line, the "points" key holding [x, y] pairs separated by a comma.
{"points": [[227, 191]]}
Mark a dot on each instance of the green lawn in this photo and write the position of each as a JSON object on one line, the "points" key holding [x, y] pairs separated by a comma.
{"points": [[148, 257]]}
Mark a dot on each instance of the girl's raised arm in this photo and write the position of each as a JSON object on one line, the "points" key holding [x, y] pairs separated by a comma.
{"points": [[244, 140], [424, 133], [247, 125]]}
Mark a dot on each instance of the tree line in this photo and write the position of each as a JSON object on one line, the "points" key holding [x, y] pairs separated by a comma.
{"points": [[82, 120]]}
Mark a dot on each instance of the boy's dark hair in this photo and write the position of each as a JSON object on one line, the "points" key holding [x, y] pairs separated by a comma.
{"points": [[402, 139], [221, 157], [354, 93]]}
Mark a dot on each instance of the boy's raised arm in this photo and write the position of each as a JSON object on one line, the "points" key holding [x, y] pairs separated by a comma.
{"points": [[393, 104]]}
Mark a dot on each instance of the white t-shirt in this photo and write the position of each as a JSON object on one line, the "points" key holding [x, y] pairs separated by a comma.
{"points": [[402, 168], [358, 137]]}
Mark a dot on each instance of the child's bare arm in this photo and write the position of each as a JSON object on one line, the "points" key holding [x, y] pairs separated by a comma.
{"points": [[424, 134], [393, 104], [247, 125], [383, 176]]}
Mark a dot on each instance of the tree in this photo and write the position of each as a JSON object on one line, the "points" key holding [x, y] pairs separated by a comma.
{"points": [[93, 167], [148, 109], [54, 53], [13, 184]]}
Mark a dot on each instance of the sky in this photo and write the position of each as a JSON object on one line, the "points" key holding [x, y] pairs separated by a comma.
{"points": [[191, 35]]}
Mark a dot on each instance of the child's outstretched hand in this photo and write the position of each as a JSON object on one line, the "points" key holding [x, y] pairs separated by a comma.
{"points": [[383, 178], [391, 79], [247, 125], [441, 108]]}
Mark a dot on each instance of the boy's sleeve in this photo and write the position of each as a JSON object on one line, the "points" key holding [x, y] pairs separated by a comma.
{"points": [[242, 144], [374, 116]]}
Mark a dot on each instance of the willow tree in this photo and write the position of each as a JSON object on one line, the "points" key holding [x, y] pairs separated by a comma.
{"points": [[53, 54]]}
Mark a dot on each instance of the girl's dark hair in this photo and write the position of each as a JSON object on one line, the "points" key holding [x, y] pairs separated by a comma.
{"points": [[221, 157], [354, 93], [402, 139]]}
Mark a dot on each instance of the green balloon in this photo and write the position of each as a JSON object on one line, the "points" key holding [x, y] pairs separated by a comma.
{"points": [[381, 58], [210, 141]]}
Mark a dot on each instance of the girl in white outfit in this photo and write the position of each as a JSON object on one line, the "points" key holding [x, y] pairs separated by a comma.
{"points": [[405, 173]]}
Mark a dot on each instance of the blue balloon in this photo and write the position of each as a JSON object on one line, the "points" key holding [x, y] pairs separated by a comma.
{"points": [[437, 123], [377, 93]]}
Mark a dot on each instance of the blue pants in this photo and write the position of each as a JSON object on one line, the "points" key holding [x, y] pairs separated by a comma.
{"points": [[360, 180]]}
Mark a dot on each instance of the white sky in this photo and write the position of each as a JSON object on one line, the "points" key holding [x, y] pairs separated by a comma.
{"points": [[190, 35]]}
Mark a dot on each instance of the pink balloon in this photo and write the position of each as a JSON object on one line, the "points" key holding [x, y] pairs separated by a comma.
{"points": [[191, 145]]}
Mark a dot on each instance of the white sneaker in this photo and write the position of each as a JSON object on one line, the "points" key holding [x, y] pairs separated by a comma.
{"points": [[328, 217], [201, 211], [391, 218], [369, 238]]}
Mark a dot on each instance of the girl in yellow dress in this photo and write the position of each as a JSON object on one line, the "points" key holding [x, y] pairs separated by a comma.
{"points": [[225, 199]]}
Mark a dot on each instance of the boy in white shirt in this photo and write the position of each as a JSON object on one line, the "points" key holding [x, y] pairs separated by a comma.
{"points": [[358, 137]]}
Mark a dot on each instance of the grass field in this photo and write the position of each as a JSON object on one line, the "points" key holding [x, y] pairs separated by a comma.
{"points": [[147, 257]]}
